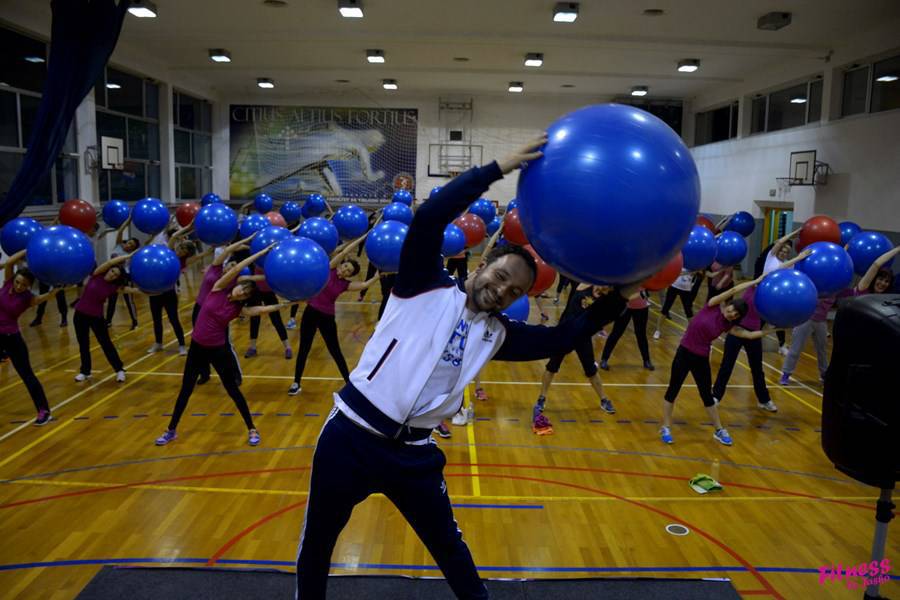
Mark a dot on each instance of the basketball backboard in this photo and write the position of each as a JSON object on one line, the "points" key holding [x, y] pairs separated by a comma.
{"points": [[803, 167], [112, 153]]}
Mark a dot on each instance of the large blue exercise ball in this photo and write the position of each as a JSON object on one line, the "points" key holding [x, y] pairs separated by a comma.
{"points": [[848, 230], [252, 223], [518, 310], [322, 231], [512, 204], [435, 190], [731, 248], [454, 240], [700, 249], [403, 197], [314, 205], [270, 235], [351, 221], [263, 203], [742, 222], [614, 196], [297, 268], [150, 215], [397, 211], [829, 267], [216, 224], [155, 268], [60, 255], [210, 198], [384, 243], [115, 212], [865, 247], [16, 233], [290, 211], [493, 226], [483, 208], [786, 298]]}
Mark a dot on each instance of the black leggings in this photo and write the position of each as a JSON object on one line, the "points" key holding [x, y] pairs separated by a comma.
{"points": [[14, 346], [563, 283], [225, 363], [753, 348], [640, 316], [460, 266], [61, 305], [268, 299], [312, 321], [779, 333], [584, 348], [370, 273], [686, 362], [169, 301], [671, 294], [387, 286], [111, 307], [84, 324]]}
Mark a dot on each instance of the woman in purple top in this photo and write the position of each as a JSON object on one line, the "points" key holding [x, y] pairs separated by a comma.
{"points": [[123, 246], [16, 298], [209, 345], [319, 313]]}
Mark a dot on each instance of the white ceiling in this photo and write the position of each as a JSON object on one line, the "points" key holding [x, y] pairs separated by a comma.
{"points": [[306, 45]]}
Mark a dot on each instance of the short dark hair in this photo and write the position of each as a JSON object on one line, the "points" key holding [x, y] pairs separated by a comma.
{"points": [[26, 273], [254, 291], [499, 252], [882, 273], [122, 279], [740, 305], [354, 263]]}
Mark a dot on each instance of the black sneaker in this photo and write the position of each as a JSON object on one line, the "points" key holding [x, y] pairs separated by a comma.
{"points": [[649, 365], [43, 417], [35, 323], [294, 389], [604, 365], [63, 323], [443, 431]]}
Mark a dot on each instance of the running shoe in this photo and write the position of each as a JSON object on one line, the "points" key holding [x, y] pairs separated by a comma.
{"points": [[656, 334], [250, 353], [182, 351], [722, 436], [288, 354], [155, 348], [461, 418], [542, 425], [166, 437], [43, 417], [665, 435], [538, 407], [768, 406], [604, 365], [291, 324], [294, 389], [480, 394], [120, 376], [649, 365], [785, 379], [783, 351], [82, 377], [35, 323], [607, 406], [253, 437], [443, 431]]}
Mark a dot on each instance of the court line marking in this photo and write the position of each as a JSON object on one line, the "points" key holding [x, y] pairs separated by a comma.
{"points": [[473, 450]]}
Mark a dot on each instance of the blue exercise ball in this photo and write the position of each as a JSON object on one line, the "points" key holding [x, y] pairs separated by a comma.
{"points": [[435, 190], [15, 234], [155, 268], [865, 247], [454, 240], [384, 243], [314, 205], [518, 310], [786, 298], [290, 211], [150, 215], [322, 231], [483, 208], [115, 212], [614, 196], [512, 204], [848, 230], [209, 198], [731, 248], [403, 197], [60, 255], [245, 272], [252, 223], [397, 211], [829, 267], [297, 268], [263, 203], [270, 235], [700, 249], [493, 226], [216, 224], [351, 221], [742, 222]]}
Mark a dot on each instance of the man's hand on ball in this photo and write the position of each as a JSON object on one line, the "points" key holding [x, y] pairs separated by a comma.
{"points": [[526, 153]]}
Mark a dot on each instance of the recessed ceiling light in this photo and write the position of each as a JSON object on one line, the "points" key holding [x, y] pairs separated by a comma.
{"points": [[35, 59], [275, 3], [639, 90], [565, 12], [688, 65], [143, 9], [350, 9], [516, 87], [534, 59], [375, 56], [653, 12], [798, 100], [461, 59], [887, 78], [567, 85], [265, 83], [342, 81], [113, 86], [220, 55], [389, 84]]}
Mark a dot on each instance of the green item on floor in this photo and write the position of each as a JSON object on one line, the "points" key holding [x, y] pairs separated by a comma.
{"points": [[703, 484]]}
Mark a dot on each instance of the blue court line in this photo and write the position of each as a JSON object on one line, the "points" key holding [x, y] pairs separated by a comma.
{"points": [[80, 418], [521, 506], [224, 414], [626, 421], [568, 421], [311, 415], [282, 414], [482, 418], [596, 420], [198, 414], [17, 422], [110, 416]]}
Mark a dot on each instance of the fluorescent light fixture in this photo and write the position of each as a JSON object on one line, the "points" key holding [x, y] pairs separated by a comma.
{"points": [[516, 87], [639, 90], [35, 59], [265, 83], [143, 9], [219, 55], [389, 84], [565, 12], [887, 78], [799, 100], [688, 65], [375, 56], [113, 86], [534, 59], [350, 9]]}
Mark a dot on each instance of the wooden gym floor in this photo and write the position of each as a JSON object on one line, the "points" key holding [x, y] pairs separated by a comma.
{"points": [[592, 500]]}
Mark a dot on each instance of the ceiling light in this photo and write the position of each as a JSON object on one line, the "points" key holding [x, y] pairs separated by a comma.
{"points": [[113, 86], [342, 81], [887, 78], [375, 56], [639, 90], [688, 65], [516, 87], [534, 59], [143, 9], [275, 3], [219, 55], [461, 59], [567, 85], [800, 100], [35, 59], [389, 84], [565, 12], [773, 21], [653, 12], [350, 9], [265, 83]]}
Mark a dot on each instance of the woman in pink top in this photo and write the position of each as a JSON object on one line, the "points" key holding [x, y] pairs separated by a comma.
{"points": [[16, 298], [319, 313], [639, 311]]}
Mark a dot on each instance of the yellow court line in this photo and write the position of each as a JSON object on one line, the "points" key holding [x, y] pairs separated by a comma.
{"points": [[473, 450]]}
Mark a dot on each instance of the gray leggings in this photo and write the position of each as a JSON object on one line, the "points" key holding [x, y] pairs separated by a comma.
{"points": [[819, 331]]}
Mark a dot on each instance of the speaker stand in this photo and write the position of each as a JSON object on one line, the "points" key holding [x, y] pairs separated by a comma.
{"points": [[884, 512]]}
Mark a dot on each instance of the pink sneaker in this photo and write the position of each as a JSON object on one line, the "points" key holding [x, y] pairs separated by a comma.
{"points": [[480, 394]]}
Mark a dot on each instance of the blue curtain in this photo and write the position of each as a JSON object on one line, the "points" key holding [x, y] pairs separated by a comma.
{"points": [[83, 36]]}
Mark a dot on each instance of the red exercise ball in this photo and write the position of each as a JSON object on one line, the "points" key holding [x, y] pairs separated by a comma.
{"points": [[705, 222], [819, 229], [512, 228], [78, 214], [185, 213], [665, 276], [473, 227], [546, 274], [276, 219]]}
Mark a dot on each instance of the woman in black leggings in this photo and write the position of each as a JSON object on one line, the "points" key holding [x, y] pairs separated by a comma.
{"points": [[639, 312], [123, 246], [266, 297]]}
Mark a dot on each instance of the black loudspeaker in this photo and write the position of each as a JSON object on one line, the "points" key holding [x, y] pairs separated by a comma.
{"points": [[861, 403]]}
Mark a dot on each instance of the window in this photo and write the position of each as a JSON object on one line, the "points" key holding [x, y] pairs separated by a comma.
{"points": [[758, 114], [9, 120], [788, 107], [886, 85], [193, 146], [814, 112], [856, 86], [23, 61], [716, 125]]}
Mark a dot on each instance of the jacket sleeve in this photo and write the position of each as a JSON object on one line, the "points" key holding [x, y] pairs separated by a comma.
{"points": [[421, 264], [525, 342]]}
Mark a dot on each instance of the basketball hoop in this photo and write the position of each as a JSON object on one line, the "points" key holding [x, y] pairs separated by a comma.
{"points": [[784, 186]]}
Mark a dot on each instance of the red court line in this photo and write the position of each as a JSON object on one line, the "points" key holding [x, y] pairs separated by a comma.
{"points": [[234, 540], [753, 592]]}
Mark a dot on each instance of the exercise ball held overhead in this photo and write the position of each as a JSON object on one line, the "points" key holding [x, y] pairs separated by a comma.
{"points": [[155, 268], [16, 233], [614, 196], [700, 249], [321, 231], [665, 276], [115, 212], [270, 235], [731, 248], [493, 226], [473, 227], [819, 229], [314, 205], [78, 214], [209, 198], [545, 274], [216, 224], [483, 208], [786, 298], [848, 230], [396, 211], [454, 240], [512, 228], [829, 267], [865, 247], [518, 310], [297, 268], [275, 218], [252, 223], [406, 197], [185, 213], [290, 211], [384, 243], [263, 203], [351, 221], [60, 255], [150, 215], [741, 222]]}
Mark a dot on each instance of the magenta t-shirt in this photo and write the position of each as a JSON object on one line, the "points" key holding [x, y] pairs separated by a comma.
{"points": [[822, 307], [212, 275], [215, 314], [94, 295], [11, 306], [706, 326], [324, 300], [751, 321]]}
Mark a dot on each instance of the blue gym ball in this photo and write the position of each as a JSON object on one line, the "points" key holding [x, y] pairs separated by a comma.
{"points": [[216, 224], [404, 197], [150, 215], [829, 267], [614, 196], [454, 240], [512, 205], [397, 211], [518, 310], [865, 247], [786, 298], [848, 230], [291, 212], [115, 212], [263, 203], [493, 226], [60, 255], [700, 249], [322, 231], [155, 268], [15, 234], [435, 190], [314, 205], [351, 221], [384, 243], [297, 268], [484, 209], [252, 223], [270, 235], [741, 222], [731, 248], [209, 198]]}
